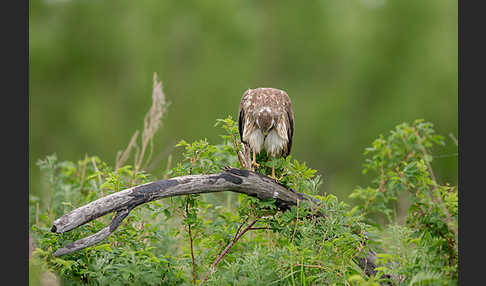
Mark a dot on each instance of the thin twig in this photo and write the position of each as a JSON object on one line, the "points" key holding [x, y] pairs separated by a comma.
{"points": [[244, 156], [311, 266], [192, 247], [296, 222], [235, 239], [440, 202], [97, 171], [83, 172], [192, 255], [324, 236], [260, 228], [241, 225], [227, 248]]}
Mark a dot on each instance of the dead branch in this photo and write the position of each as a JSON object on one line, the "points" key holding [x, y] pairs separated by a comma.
{"points": [[230, 179], [122, 202]]}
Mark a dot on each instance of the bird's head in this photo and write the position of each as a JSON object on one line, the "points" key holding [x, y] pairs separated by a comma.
{"points": [[265, 120]]}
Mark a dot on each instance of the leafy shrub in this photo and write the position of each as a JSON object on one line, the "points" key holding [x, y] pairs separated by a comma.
{"points": [[424, 250], [176, 241]]}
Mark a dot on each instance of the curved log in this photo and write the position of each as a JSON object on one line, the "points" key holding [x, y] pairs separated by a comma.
{"points": [[230, 179], [122, 202]]}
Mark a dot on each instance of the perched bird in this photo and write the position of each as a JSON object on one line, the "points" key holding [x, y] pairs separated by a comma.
{"points": [[266, 122]]}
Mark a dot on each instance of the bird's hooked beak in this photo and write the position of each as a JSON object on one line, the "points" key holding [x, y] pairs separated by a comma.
{"points": [[265, 133], [263, 124]]}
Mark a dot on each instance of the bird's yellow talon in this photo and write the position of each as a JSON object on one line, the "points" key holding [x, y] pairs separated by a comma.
{"points": [[273, 174], [253, 162], [275, 178]]}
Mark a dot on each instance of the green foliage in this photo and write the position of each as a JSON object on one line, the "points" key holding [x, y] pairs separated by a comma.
{"points": [[305, 245], [137, 254], [426, 247]]}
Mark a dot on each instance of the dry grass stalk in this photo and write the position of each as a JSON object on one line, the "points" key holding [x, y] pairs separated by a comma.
{"points": [[122, 156], [83, 171], [162, 155], [100, 181], [152, 122], [169, 161]]}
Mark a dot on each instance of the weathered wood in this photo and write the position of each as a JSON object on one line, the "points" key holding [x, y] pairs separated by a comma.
{"points": [[230, 179], [95, 238], [236, 180]]}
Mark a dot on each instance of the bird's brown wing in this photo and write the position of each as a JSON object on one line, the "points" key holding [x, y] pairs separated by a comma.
{"points": [[241, 124], [290, 133]]}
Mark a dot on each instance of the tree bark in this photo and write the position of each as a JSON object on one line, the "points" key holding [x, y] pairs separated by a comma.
{"points": [[230, 179], [122, 202]]}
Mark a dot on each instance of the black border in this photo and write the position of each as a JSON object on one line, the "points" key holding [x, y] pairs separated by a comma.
{"points": [[471, 129], [14, 20]]}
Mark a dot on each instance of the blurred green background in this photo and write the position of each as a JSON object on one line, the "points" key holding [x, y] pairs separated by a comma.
{"points": [[354, 69]]}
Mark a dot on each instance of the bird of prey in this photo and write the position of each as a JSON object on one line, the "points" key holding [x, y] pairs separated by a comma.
{"points": [[266, 122]]}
